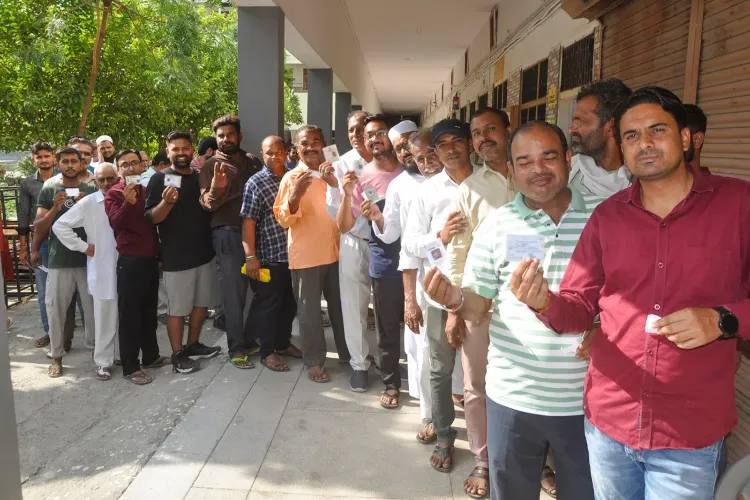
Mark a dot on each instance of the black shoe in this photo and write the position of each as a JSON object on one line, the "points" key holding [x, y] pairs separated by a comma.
{"points": [[183, 364], [220, 323], [358, 381], [200, 351]]}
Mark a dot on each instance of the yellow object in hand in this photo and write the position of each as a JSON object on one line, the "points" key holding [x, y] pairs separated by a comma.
{"points": [[264, 274]]}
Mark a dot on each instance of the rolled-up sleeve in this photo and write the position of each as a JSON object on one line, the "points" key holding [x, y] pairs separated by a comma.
{"points": [[458, 247]]}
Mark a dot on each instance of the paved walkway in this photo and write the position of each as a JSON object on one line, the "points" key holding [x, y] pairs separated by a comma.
{"points": [[222, 433]]}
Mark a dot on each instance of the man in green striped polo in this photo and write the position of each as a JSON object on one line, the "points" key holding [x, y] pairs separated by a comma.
{"points": [[534, 380]]}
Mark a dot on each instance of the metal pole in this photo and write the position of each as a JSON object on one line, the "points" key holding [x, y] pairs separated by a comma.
{"points": [[10, 469]]}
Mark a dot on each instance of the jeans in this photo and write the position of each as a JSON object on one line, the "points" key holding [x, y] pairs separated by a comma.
{"points": [[41, 286], [623, 473], [273, 310]]}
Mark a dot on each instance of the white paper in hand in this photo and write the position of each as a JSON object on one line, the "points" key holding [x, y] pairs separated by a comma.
{"points": [[331, 153], [133, 179], [358, 167], [72, 192], [650, 320], [435, 252], [172, 180], [520, 246], [371, 194]]}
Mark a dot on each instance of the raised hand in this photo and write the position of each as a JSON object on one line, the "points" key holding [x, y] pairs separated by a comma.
{"points": [[350, 181], [528, 284], [131, 193], [220, 179], [440, 289], [371, 211], [456, 224], [170, 195]]}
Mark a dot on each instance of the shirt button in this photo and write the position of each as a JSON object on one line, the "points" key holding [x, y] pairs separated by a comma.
{"points": [[645, 394], [657, 307], [650, 352], [661, 265], [663, 224]]}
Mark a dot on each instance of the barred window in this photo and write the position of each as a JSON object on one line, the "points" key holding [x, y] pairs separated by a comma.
{"points": [[578, 64]]}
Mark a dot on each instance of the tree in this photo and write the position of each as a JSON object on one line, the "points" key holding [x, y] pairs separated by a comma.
{"points": [[164, 65]]}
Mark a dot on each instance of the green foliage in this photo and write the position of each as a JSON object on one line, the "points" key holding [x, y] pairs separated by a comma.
{"points": [[165, 65]]}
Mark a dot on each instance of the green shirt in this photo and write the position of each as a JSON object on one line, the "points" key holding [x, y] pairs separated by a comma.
{"points": [[60, 256], [530, 368]]}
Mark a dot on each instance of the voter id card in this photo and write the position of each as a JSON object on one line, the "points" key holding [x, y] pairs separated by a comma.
{"points": [[331, 153], [521, 246], [172, 180], [72, 192], [435, 252], [132, 179], [371, 194], [358, 167]]}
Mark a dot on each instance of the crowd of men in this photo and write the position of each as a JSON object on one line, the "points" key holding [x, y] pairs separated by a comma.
{"points": [[587, 296]]}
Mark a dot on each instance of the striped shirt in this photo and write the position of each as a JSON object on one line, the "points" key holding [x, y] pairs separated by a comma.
{"points": [[530, 368]]}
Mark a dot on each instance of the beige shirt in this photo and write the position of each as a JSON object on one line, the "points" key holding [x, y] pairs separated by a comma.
{"points": [[478, 196]]}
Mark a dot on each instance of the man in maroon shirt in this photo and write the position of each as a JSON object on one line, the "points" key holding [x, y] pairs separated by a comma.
{"points": [[137, 269], [666, 265]]}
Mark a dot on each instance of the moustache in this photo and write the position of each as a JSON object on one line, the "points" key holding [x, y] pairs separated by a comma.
{"points": [[575, 135], [649, 153], [542, 177], [487, 143]]}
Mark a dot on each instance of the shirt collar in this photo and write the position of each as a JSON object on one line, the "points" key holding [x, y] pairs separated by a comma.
{"points": [[98, 196], [701, 184], [577, 203], [267, 171]]}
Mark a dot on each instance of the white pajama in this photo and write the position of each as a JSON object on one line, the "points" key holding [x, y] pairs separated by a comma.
{"points": [[107, 347], [354, 283]]}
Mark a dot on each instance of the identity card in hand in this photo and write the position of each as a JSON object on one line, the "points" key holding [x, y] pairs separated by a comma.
{"points": [[371, 194], [132, 179], [172, 180], [650, 320], [435, 252], [521, 246], [331, 153], [72, 192], [358, 167]]}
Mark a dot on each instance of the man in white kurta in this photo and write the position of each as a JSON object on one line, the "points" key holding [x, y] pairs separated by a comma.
{"points": [[101, 265]]}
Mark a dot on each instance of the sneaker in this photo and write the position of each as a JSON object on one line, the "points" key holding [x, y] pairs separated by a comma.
{"points": [[358, 381], [220, 323], [200, 351], [183, 364]]}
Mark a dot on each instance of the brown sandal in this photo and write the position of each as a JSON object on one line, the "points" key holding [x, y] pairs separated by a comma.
{"points": [[478, 473], [138, 378], [292, 351], [317, 374], [162, 361], [427, 435], [42, 341], [393, 398], [273, 363]]}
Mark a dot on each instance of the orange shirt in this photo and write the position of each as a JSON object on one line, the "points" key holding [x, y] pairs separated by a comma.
{"points": [[313, 238]]}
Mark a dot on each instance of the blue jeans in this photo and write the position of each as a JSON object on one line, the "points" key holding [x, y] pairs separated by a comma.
{"points": [[623, 473], [41, 286]]}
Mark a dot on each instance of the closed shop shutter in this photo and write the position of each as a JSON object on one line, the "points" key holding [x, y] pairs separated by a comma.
{"points": [[724, 89], [644, 42]]}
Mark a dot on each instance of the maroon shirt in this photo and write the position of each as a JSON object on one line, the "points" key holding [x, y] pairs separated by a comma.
{"points": [[641, 389], [134, 234]]}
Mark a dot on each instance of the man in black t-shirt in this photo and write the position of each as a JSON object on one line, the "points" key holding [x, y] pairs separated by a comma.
{"points": [[187, 254]]}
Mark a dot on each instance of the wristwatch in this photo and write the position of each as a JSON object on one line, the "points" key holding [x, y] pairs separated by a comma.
{"points": [[728, 323]]}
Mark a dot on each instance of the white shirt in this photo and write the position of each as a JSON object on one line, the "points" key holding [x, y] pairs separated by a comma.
{"points": [[347, 162], [590, 179], [146, 176], [398, 198], [435, 200], [101, 269]]}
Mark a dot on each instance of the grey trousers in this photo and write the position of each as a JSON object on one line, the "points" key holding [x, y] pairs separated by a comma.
{"points": [[443, 358], [308, 284], [61, 287], [234, 287]]}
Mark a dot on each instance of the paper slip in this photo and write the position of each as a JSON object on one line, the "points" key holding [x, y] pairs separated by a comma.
{"points": [[358, 167], [315, 174], [435, 252], [132, 179], [72, 192], [650, 320], [331, 153], [371, 194], [520, 246], [173, 180]]}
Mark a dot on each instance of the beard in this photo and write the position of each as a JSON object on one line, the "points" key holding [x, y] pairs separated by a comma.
{"points": [[110, 159], [182, 162], [589, 145], [229, 149]]}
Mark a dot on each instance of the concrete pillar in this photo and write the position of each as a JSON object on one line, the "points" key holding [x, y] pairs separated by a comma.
{"points": [[260, 71], [343, 107], [320, 100], [10, 470]]}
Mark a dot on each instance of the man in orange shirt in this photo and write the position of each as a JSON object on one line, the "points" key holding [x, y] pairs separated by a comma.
{"points": [[313, 241]]}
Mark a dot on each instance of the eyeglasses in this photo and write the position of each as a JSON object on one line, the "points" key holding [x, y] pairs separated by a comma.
{"points": [[401, 148], [449, 145], [128, 164], [379, 133]]}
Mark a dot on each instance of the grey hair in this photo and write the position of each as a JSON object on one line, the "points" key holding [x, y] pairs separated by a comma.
{"points": [[422, 134], [105, 164], [356, 112]]}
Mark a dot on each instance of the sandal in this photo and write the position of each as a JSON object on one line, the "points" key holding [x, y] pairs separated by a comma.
{"points": [[138, 378], [393, 398], [317, 375], [427, 435], [548, 473], [291, 351], [242, 362], [42, 341], [444, 453], [273, 363], [55, 370], [479, 473], [458, 401], [103, 373], [252, 351], [161, 361]]}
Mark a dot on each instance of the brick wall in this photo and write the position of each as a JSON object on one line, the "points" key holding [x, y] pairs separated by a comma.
{"points": [[553, 83], [514, 88], [597, 74]]}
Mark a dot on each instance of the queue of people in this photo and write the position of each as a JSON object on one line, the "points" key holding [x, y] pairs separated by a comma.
{"points": [[551, 287]]}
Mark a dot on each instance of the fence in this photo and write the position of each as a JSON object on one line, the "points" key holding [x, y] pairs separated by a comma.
{"points": [[22, 287]]}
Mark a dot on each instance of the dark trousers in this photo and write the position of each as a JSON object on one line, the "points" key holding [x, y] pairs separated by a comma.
{"points": [[273, 309], [230, 256], [388, 295], [517, 444], [138, 296], [308, 284]]}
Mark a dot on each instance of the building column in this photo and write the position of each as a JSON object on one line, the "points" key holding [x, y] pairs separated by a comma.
{"points": [[260, 71], [10, 470], [320, 100], [343, 108]]}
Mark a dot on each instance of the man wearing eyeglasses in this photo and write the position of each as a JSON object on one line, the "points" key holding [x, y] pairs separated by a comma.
{"points": [[99, 247], [432, 218], [399, 136]]}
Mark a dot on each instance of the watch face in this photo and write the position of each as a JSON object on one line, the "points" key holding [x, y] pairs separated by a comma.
{"points": [[729, 324]]}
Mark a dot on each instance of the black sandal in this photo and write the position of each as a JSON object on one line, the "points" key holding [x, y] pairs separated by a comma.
{"points": [[548, 473], [479, 475], [444, 453]]}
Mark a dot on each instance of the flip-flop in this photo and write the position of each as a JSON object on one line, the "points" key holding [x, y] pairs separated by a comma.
{"points": [[390, 406], [291, 352], [479, 475], [278, 367], [42, 341], [138, 378], [55, 370], [103, 373], [162, 361], [242, 362], [426, 430], [548, 473], [323, 377], [444, 454]]}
